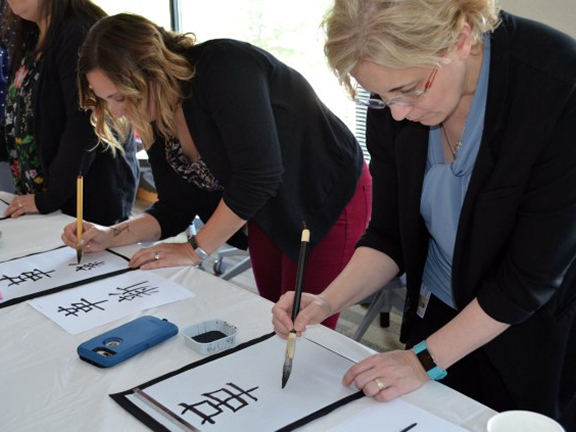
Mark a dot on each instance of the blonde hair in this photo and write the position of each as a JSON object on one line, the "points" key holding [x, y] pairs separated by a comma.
{"points": [[400, 34], [146, 64]]}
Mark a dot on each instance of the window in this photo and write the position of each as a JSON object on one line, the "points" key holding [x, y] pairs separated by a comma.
{"points": [[289, 30], [157, 11]]}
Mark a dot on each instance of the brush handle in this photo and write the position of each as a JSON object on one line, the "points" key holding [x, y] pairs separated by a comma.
{"points": [[79, 207], [300, 272]]}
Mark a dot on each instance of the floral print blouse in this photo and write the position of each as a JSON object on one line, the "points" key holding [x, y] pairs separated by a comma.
{"points": [[22, 148], [196, 173]]}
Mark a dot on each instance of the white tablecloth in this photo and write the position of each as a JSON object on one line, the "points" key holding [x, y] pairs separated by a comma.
{"points": [[44, 386]]}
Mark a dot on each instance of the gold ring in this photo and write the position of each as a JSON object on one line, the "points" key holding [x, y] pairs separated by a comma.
{"points": [[379, 384], [156, 256], [20, 204]]}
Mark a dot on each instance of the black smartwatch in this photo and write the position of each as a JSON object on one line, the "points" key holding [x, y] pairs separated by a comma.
{"points": [[199, 251]]}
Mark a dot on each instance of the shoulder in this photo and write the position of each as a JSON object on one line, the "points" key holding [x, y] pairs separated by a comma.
{"points": [[73, 28], [225, 65], [70, 35], [227, 47], [231, 55], [540, 47]]}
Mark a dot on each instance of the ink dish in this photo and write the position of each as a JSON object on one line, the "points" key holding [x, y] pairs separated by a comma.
{"points": [[209, 337]]}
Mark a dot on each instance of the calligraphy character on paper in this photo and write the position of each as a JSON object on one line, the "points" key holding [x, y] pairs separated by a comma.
{"points": [[33, 276], [207, 409]]}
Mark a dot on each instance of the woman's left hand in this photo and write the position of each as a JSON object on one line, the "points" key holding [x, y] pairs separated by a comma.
{"points": [[387, 375], [165, 255], [20, 205]]}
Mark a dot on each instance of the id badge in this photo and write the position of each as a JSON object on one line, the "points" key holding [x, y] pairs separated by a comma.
{"points": [[423, 301]]}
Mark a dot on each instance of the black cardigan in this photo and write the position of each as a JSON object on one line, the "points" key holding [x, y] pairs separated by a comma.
{"points": [[516, 240], [280, 154], [66, 141]]}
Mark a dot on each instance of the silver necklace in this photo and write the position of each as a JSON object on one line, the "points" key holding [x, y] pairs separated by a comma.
{"points": [[453, 149]]}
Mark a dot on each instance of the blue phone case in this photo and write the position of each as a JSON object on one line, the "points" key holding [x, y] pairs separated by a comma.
{"points": [[116, 345]]}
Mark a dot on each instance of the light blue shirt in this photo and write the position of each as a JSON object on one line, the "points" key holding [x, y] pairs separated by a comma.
{"points": [[445, 187]]}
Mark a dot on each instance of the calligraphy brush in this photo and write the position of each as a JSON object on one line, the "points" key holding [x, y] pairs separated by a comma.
{"points": [[291, 345], [79, 193]]}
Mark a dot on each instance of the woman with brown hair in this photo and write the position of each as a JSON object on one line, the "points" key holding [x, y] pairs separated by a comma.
{"points": [[233, 135], [48, 140], [472, 132]]}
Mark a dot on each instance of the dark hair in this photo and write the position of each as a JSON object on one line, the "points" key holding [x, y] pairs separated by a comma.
{"points": [[23, 34]]}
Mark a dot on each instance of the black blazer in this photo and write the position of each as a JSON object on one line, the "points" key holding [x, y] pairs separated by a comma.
{"points": [[281, 156], [516, 239], [67, 142]]}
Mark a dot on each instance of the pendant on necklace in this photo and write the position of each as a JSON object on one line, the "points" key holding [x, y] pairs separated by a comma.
{"points": [[455, 149], [458, 145]]}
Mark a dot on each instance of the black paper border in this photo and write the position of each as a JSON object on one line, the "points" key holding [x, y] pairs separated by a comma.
{"points": [[17, 300], [121, 399]]}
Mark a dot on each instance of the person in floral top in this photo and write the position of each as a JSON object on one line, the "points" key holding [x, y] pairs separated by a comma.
{"points": [[22, 149], [47, 139]]}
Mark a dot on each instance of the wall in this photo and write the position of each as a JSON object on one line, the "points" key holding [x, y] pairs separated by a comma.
{"points": [[560, 14]]}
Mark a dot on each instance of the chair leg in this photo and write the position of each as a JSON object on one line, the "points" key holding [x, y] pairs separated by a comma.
{"points": [[384, 319], [238, 268], [371, 313]]}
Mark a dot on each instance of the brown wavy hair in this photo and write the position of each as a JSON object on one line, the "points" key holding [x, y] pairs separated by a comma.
{"points": [[146, 64], [400, 34]]}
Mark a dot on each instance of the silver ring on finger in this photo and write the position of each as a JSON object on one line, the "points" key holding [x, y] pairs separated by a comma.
{"points": [[156, 256], [379, 384]]}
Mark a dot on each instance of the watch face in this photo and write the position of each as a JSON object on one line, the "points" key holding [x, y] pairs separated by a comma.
{"points": [[426, 360], [192, 241]]}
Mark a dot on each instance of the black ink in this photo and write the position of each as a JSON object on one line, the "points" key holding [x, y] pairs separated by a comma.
{"points": [[210, 336], [208, 409], [34, 276], [87, 266], [82, 306], [134, 291]]}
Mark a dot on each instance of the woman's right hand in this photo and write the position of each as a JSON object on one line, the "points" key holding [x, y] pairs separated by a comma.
{"points": [[95, 238], [313, 310]]}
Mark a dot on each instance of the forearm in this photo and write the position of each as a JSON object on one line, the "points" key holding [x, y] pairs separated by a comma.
{"points": [[367, 272], [222, 225], [468, 331], [137, 229]]}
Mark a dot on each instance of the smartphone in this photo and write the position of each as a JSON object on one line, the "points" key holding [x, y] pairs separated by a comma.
{"points": [[121, 343]]}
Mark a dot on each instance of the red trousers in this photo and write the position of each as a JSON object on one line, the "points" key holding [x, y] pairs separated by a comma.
{"points": [[275, 273]]}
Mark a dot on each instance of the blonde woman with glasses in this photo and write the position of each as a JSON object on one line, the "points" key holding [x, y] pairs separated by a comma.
{"points": [[472, 132]]}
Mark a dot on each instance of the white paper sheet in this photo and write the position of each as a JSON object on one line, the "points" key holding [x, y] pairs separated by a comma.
{"points": [[394, 416], [97, 303], [43, 271], [249, 381], [3, 207]]}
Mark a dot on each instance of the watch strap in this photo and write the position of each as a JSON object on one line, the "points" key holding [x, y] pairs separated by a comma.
{"points": [[199, 251], [433, 371]]}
